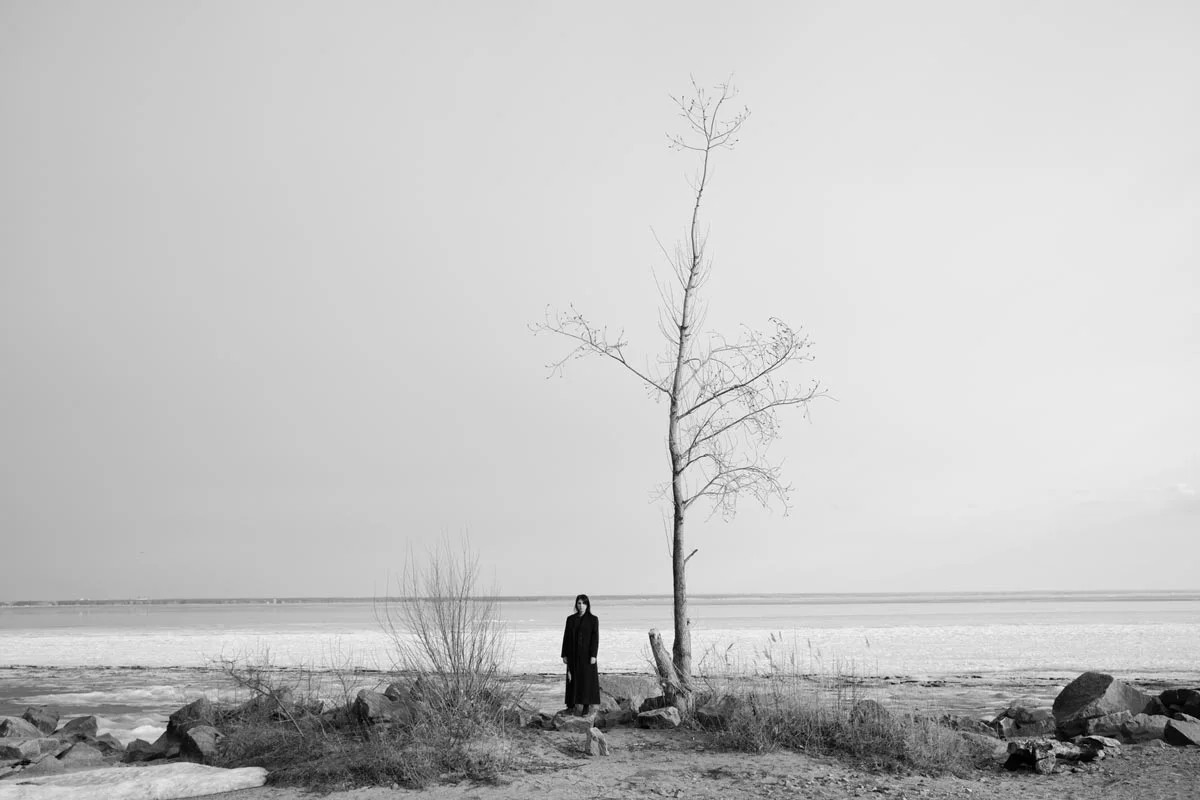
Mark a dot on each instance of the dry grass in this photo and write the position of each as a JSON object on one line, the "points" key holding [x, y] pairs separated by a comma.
{"points": [[450, 653], [785, 697]]}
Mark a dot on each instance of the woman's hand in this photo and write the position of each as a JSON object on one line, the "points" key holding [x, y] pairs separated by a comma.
{"points": [[593, 659], [565, 660]]}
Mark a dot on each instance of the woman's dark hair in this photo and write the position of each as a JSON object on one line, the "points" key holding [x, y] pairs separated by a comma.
{"points": [[585, 599]]}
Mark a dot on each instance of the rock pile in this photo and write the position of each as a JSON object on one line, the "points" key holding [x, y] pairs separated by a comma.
{"points": [[34, 744], [1091, 718]]}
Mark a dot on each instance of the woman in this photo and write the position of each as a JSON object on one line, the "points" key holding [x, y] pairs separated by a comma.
{"points": [[581, 640]]}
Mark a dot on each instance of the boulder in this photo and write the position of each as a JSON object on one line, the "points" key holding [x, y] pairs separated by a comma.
{"points": [[597, 743], [42, 718], [1184, 717], [167, 745], [1181, 701], [78, 729], [1091, 695], [45, 764], [1022, 719], [18, 728], [1108, 725], [140, 750], [659, 718], [198, 712], [653, 703], [1182, 734], [1035, 754], [1143, 727], [199, 744], [374, 708], [108, 744], [568, 722], [627, 692], [870, 712], [81, 754], [19, 749]]}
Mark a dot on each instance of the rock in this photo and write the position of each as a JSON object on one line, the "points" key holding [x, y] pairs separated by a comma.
{"points": [[78, 729], [597, 743], [653, 704], [1094, 694], [108, 744], [1067, 751], [1026, 710], [1183, 701], [627, 692], [198, 712], [1184, 717], [18, 728], [41, 718], [1036, 754], [659, 718], [1022, 719], [167, 745], [19, 749], [275, 705], [965, 724], [1111, 746], [373, 708], [45, 764], [199, 744], [1108, 725], [1005, 727], [568, 722], [1182, 734], [1144, 727], [140, 750], [715, 716], [543, 720], [869, 712], [81, 754]]}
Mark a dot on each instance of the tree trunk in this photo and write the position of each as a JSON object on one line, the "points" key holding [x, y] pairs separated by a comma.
{"points": [[681, 650], [666, 670]]}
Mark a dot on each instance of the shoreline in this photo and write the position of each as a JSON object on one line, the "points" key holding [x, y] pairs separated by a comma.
{"points": [[98, 689]]}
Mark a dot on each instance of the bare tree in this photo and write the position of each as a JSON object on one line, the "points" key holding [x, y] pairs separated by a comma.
{"points": [[724, 394]]}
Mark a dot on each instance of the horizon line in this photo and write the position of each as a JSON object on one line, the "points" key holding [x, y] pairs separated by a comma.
{"points": [[315, 599]]}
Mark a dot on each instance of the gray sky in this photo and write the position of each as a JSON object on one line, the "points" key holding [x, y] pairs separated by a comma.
{"points": [[266, 271]]}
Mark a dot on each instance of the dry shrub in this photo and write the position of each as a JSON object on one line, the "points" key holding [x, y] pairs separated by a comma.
{"points": [[781, 698], [451, 653]]}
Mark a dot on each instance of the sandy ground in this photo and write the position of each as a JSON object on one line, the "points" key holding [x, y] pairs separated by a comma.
{"points": [[658, 764], [682, 763]]}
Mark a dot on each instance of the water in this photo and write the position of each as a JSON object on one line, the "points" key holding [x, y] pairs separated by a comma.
{"points": [[133, 664]]}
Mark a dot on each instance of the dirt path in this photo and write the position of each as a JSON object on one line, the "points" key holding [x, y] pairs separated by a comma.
{"points": [[667, 764]]}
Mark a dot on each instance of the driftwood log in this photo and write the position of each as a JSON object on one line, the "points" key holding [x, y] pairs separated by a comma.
{"points": [[676, 691]]}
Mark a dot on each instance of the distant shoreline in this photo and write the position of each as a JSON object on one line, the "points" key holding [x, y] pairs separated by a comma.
{"points": [[770, 598]]}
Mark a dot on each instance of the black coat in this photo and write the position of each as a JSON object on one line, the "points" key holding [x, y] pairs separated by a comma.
{"points": [[581, 640]]}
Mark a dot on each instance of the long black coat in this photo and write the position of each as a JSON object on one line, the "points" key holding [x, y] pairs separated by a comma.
{"points": [[581, 641]]}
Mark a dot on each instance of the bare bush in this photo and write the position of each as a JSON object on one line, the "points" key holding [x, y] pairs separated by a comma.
{"points": [[449, 635]]}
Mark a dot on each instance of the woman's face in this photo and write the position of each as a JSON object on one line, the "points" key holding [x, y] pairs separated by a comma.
{"points": [[580, 607]]}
